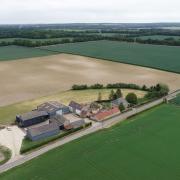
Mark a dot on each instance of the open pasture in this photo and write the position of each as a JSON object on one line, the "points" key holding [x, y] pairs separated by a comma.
{"points": [[18, 52], [144, 147], [154, 56]]}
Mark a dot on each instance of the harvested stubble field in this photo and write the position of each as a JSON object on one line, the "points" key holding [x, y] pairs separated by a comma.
{"points": [[144, 147], [35, 77], [154, 56]]}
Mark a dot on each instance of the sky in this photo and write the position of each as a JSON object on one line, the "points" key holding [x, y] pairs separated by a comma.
{"points": [[88, 11]]}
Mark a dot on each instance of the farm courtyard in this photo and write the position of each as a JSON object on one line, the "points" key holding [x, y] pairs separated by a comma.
{"points": [[144, 147], [40, 76]]}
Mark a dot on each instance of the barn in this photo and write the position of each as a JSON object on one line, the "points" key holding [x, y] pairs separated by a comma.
{"points": [[31, 118], [41, 132], [53, 108]]}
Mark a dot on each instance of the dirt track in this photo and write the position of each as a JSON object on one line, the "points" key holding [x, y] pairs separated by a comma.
{"points": [[26, 79]]}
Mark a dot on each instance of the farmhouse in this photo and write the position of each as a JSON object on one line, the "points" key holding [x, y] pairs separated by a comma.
{"points": [[31, 118], [75, 107], [53, 108], [105, 114], [119, 101], [41, 132]]}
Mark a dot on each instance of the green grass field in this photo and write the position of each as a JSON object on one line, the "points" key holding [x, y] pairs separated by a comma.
{"points": [[17, 52], [154, 56], [159, 37], [144, 147]]}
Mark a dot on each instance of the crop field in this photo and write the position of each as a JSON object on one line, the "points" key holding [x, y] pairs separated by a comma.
{"points": [[66, 70], [42, 76], [159, 37], [17, 52], [154, 56], [8, 113], [146, 146]]}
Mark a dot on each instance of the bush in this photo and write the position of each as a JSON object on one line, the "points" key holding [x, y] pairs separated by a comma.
{"points": [[96, 86], [132, 98], [121, 107], [79, 87], [157, 91]]}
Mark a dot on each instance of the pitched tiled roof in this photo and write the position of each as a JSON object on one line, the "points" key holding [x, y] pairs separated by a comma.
{"points": [[106, 114]]}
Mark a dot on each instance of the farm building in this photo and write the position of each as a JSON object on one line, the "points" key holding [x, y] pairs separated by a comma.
{"points": [[75, 107], [105, 114], [59, 120], [53, 108], [41, 132], [31, 118], [119, 101], [73, 121]]}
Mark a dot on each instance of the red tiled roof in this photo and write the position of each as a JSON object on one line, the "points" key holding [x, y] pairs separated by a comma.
{"points": [[105, 114]]}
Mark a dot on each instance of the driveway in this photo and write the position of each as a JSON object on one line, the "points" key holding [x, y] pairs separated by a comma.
{"points": [[12, 137]]}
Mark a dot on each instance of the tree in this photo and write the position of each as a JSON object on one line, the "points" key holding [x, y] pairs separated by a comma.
{"points": [[99, 97], [144, 88], [132, 98], [121, 107], [111, 95], [119, 93]]}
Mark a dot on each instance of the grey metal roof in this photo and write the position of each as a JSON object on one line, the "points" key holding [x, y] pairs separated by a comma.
{"points": [[32, 114], [78, 123], [51, 106], [120, 101], [34, 131], [60, 120], [75, 105]]}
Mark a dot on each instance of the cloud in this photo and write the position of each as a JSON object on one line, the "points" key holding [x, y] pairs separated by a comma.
{"points": [[67, 11]]}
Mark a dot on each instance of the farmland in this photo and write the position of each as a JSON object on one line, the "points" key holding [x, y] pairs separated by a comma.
{"points": [[154, 56], [16, 52], [159, 37], [42, 76], [133, 149], [8, 113]]}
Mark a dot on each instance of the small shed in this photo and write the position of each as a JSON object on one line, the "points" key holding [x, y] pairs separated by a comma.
{"points": [[41, 132], [31, 118]]}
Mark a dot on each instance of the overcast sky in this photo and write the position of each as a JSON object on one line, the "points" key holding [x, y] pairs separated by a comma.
{"points": [[68, 11]]}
